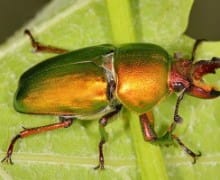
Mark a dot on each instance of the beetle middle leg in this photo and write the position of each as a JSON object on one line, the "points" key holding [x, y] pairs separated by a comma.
{"points": [[104, 135], [177, 118], [64, 123], [39, 47]]}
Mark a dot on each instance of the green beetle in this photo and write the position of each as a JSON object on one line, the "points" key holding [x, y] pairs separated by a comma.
{"points": [[95, 82]]}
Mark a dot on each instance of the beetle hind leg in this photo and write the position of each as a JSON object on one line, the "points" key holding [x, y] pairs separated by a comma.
{"points": [[104, 135], [39, 47], [31, 131]]}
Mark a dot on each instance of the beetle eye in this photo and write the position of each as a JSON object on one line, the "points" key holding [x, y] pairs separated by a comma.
{"points": [[178, 86]]}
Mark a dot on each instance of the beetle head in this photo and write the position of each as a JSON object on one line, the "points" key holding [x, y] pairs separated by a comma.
{"points": [[188, 75]]}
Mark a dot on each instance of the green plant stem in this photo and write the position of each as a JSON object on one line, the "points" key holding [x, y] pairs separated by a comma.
{"points": [[120, 17], [149, 157]]}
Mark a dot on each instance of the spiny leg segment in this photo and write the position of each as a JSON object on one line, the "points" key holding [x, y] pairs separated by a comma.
{"points": [[104, 135], [31, 131], [39, 47]]}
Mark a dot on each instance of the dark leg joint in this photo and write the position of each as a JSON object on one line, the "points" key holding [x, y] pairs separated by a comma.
{"points": [[178, 118], [67, 120], [103, 122]]}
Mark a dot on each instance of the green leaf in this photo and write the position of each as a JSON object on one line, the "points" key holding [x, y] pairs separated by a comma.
{"points": [[71, 153]]}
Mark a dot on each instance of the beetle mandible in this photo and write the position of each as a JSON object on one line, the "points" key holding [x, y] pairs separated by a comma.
{"points": [[95, 82]]}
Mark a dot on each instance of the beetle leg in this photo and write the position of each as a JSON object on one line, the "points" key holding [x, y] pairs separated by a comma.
{"points": [[177, 118], [30, 131], [147, 127], [104, 135], [186, 149], [150, 134], [195, 46], [38, 47]]}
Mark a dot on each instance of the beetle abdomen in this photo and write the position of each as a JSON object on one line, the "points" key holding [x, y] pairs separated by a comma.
{"points": [[142, 73], [69, 84]]}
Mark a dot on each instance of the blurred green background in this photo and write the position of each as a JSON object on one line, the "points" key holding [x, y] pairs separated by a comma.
{"points": [[204, 20]]}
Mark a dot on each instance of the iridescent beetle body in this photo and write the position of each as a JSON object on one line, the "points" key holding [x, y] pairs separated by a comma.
{"points": [[75, 83], [95, 82]]}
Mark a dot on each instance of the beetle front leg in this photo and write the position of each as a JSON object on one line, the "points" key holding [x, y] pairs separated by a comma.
{"points": [[31, 131], [195, 46], [177, 118], [147, 123], [38, 47], [186, 149], [104, 135]]}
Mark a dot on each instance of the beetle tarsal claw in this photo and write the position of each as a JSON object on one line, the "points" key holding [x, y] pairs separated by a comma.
{"points": [[7, 160], [196, 156]]}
